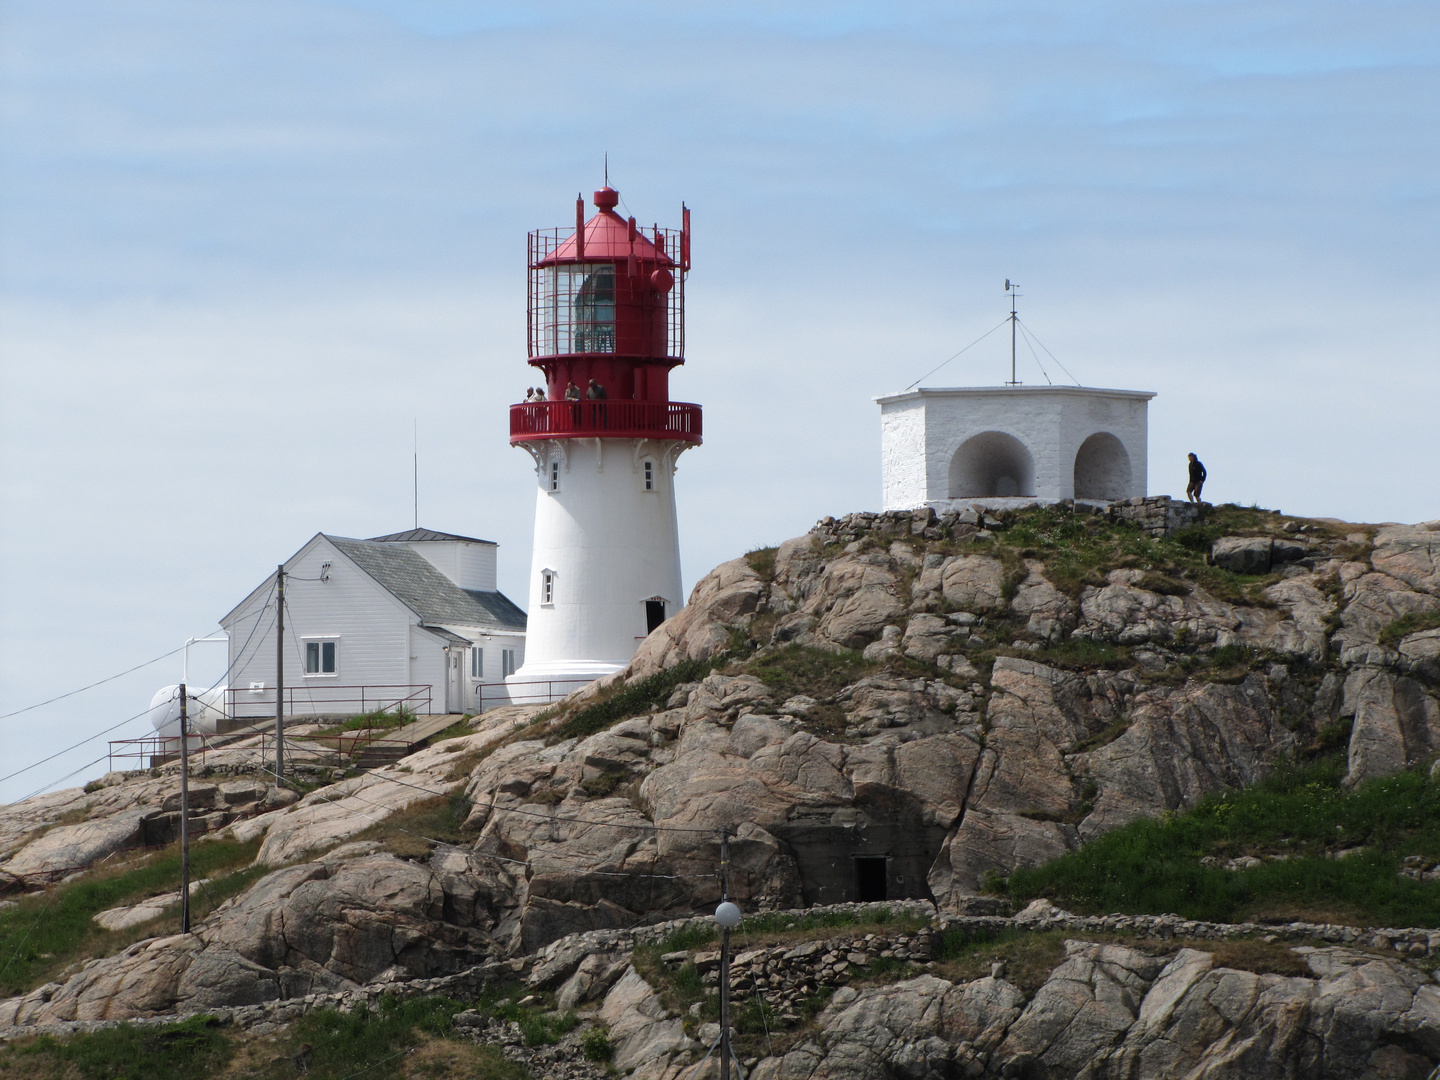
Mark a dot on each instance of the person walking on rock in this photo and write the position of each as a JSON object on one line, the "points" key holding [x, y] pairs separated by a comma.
{"points": [[1197, 479]]}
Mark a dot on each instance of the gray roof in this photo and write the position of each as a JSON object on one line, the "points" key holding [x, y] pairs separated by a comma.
{"points": [[423, 535], [445, 635], [425, 590]]}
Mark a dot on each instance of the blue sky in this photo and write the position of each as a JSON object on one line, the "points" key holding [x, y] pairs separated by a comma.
{"points": [[243, 246]]}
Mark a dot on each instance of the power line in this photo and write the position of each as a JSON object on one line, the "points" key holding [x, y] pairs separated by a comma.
{"points": [[82, 742], [122, 723], [102, 682]]}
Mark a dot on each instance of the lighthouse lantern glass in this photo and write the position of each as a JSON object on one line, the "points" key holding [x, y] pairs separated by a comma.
{"points": [[578, 308], [586, 308]]}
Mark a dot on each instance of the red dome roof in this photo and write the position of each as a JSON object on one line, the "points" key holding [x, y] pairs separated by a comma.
{"points": [[607, 237]]}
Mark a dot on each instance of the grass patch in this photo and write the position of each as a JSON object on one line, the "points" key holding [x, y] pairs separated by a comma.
{"points": [[1083, 654], [409, 1038], [965, 954], [407, 832], [762, 561], [816, 673], [596, 1045], [328, 1045], [774, 928], [600, 786], [42, 935], [1405, 625], [190, 1050], [380, 718], [1303, 813], [647, 695]]}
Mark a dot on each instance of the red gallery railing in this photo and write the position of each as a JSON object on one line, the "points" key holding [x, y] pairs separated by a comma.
{"points": [[533, 420]]}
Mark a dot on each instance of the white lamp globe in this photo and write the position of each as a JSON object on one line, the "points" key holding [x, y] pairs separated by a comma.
{"points": [[728, 915]]}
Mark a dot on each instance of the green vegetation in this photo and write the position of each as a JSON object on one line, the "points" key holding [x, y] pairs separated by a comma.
{"points": [[192, 1050], [380, 718], [1029, 958], [604, 784], [817, 673], [762, 561], [647, 695], [42, 935], [397, 1038], [596, 1045], [1297, 821], [1406, 625], [328, 1044], [407, 832]]}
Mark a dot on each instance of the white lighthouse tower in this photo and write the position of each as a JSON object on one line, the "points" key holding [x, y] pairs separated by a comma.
{"points": [[607, 323]]}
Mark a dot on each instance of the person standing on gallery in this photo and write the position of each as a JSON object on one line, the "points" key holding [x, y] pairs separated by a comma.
{"points": [[1197, 479]]}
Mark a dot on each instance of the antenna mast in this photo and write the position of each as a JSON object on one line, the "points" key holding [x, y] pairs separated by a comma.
{"points": [[1013, 288]]}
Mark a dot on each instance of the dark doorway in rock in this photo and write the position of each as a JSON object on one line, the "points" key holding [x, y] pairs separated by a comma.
{"points": [[870, 878], [654, 614]]}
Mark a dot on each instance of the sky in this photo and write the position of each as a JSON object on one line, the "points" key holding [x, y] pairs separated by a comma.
{"points": [[249, 250]]}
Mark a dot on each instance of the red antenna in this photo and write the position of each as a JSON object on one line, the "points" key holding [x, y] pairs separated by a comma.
{"points": [[579, 227], [684, 238]]}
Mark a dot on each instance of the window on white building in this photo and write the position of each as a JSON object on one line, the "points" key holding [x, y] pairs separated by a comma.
{"points": [[547, 586], [649, 476], [320, 657], [477, 662], [507, 663], [554, 476]]}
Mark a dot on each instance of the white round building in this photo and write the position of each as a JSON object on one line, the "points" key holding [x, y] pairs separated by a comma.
{"points": [[607, 324]]}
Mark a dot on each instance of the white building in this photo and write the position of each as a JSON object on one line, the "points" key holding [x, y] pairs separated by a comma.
{"points": [[412, 618], [992, 443]]}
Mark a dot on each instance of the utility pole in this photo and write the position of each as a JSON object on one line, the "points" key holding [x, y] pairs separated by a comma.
{"points": [[279, 673], [724, 956], [184, 814]]}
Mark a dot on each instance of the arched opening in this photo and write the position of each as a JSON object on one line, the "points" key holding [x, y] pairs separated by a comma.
{"points": [[990, 465], [1102, 468]]}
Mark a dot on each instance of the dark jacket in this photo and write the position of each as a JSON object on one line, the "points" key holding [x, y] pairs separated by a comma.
{"points": [[1197, 472]]}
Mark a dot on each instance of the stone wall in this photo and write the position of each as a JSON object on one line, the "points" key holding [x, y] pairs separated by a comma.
{"points": [[780, 974]]}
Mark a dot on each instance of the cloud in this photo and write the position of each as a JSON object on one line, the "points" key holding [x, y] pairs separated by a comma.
{"points": [[247, 243]]}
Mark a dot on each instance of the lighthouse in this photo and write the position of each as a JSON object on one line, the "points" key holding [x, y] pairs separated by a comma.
{"points": [[606, 327]]}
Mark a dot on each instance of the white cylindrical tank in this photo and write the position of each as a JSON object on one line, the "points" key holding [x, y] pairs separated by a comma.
{"points": [[606, 559], [204, 710]]}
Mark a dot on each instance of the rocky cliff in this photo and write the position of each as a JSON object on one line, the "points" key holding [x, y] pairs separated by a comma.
{"points": [[891, 707]]}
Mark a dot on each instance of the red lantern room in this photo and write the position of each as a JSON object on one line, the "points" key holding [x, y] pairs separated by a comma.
{"points": [[607, 323]]}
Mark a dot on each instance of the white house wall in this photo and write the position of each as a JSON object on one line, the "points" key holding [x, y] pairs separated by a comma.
{"points": [[370, 626]]}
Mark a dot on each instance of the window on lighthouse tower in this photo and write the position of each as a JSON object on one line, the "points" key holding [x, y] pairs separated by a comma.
{"points": [[547, 586], [554, 476], [649, 476]]}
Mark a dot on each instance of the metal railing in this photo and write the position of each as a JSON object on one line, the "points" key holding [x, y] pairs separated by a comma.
{"points": [[530, 692], [156, 750], [617, 419], [321, 699]]}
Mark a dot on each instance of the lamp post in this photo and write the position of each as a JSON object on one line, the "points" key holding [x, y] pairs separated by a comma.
{"points": [[728, 916]]}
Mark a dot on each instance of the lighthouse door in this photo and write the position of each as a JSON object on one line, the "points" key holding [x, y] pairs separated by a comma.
{"points": [[654, 614]]}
